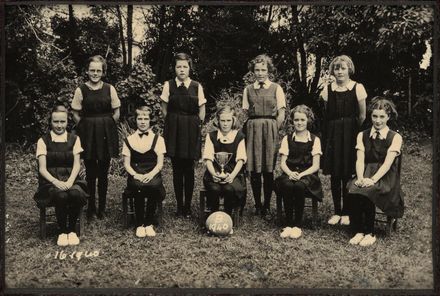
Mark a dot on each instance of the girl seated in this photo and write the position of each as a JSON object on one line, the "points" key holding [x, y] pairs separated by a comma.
{"points": [[231, 185], [300, 155], [377, 182], [58, 154], [143, 153]]}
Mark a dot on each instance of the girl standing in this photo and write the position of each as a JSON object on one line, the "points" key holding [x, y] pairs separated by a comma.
{"points": [[183, 106], [58, 155], [300, 155], [377, 182], [226, 139], [95, 108], [266, 103], [345, 113], [143, 153]]}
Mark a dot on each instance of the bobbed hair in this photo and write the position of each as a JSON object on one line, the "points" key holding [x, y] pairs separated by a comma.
{"points": [[336, 62], [305, 110]]}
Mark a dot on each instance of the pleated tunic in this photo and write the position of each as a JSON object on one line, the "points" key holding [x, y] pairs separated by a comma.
{"points": [[97, 128], [386, 194]]}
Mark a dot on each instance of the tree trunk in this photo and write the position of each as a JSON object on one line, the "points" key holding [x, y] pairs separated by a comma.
{"points": [[74, 52], [129, 37], [121, 37], [160, 38], [409, 94], [314, 85], [302, 71]]}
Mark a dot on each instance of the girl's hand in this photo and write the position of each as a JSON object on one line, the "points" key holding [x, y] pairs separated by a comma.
{"points": [[148, 177], [216, 178], [359, 182], [294, 176], [69, 184], [138, 177], [368, 182], [60, 185], [229, 178]]}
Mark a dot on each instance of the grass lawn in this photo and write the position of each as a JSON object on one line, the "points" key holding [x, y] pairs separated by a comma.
{"points": [[181, 255]]}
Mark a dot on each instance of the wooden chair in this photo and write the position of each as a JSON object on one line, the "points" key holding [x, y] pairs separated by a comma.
{"points": [[128, 213], [47, 216], [313, 205], [237, 212]]}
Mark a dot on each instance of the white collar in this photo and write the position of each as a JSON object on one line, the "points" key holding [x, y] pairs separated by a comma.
{"points": [[383, 132], [309, 137], [230, 137], [266, 84], [186, 82], [349, 86], [95, 87], [58, 138]]}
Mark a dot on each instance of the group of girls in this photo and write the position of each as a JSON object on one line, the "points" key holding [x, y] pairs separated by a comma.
{"points": [[372, 156]]}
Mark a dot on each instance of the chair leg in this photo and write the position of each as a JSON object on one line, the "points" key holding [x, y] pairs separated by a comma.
{"points": [[202, 202], [81, 225], [314, 213], [279, 210], [160, 214], [236, 217], [42, 223], [395, 225], [389, 225], [125, 211]]}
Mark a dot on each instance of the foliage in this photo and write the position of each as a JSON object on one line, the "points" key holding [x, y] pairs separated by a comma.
{"points": [[140, 88]]}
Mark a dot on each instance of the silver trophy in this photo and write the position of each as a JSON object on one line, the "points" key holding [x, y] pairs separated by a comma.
{"points": [[222, 159]]}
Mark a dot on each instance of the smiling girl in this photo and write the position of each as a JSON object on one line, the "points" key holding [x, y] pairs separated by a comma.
{"points": [[226, 139], [58, 155], [300, 155], [265, 103], [377, 182], [345, 113]]}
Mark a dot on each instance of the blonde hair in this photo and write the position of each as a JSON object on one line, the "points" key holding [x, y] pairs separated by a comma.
{"points": [[305, 110], [226, 109], [262, 58], [142, 110], [98, 59], [342, 59]]}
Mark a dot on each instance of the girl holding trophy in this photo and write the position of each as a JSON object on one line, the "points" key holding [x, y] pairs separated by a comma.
{"points": [[224, 155]]}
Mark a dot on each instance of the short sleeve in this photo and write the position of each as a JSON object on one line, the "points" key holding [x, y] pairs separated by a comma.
{"points": [[165, 92], [316, 149], [284, 148], [160, 146], [241, 152], [359, 142], [208, 150], [281, 98], [245, 102], [77, 149], [324, 93], [125, 149], [361, 93], [77, 100], [396, 144], [41, 148], [201, 95], [116, 103]]}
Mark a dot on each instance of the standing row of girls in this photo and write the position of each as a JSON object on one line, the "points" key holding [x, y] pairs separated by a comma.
{"points": [[96, 111]]}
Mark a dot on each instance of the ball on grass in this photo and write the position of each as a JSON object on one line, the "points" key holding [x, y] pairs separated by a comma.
{"points": [[219, 223]]}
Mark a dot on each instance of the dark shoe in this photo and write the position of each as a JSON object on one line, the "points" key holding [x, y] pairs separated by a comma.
{"points": [[187, 213], [179, 213], [266, 215], [257, 212], [90, 214]]}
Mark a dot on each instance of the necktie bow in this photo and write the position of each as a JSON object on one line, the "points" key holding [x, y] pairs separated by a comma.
{"points": [[377, 135], [261, 85], [182, 85], [143, 134]]}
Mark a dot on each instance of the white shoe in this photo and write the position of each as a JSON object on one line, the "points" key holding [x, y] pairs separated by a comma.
{"points": [[231, 232], [140, 231], [149, 231], [334, 220], [356, 239], [286, 232], [73, 239], [62, 240], [345, 220], [296, 232], [368, 240]]}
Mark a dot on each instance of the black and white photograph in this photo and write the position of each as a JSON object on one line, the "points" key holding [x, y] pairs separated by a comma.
{"points": [[220, 147]]}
